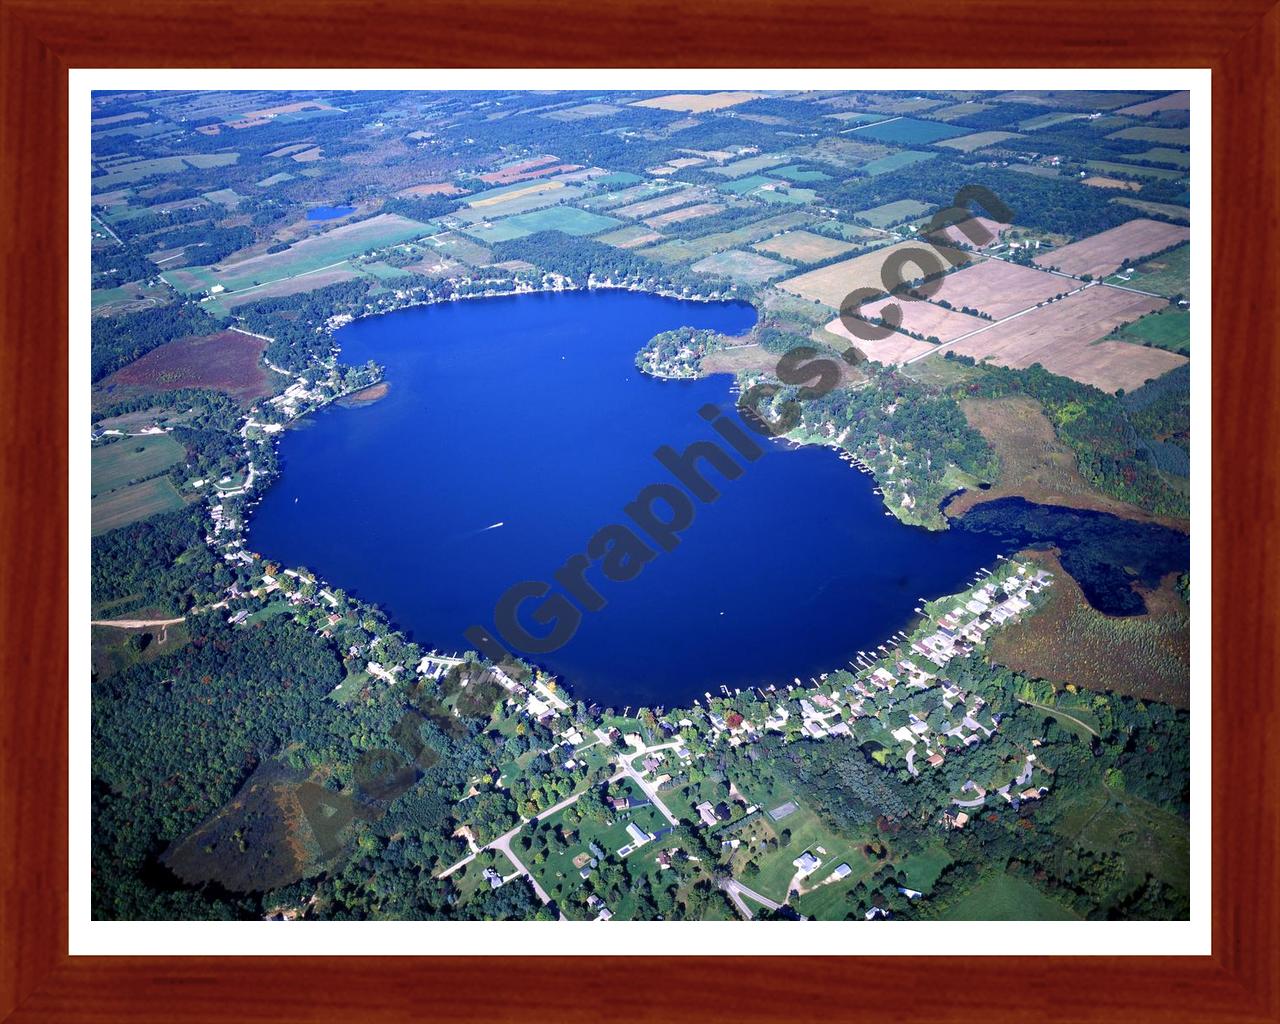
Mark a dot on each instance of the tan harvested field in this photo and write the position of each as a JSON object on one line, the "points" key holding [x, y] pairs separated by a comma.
{"points": [[684, 213], [920, 317], [1103, 253], [804, 246], [657, 204], [293, 147], [698, 103], [968, 143], [1097, 181], [433, 188], [1174, 101], [1062, 338], [829, 285], [981, 227], [506, 175], [999, 289], [534, 189], [897, 348], [307, 156], [630, 237], [290, 285]]}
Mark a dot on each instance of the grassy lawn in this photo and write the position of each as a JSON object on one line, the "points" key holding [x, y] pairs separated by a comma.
{"points": [[922, 869], [269, 611], [132, 458], [349, 687], [112, 650], [1002, 897]]}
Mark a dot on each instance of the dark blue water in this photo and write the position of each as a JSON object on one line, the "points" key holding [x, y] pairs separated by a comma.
{"points": [[329, 212], [528, 411]]}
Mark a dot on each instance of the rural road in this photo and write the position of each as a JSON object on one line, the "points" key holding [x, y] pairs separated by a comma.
{"points": [[142, 623], [736, 890]]}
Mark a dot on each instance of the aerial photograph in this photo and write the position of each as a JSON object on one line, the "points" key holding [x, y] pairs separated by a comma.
{"points": [[562, 505]]}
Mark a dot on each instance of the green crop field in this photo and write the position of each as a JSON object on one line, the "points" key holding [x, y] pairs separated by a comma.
{"points": [[1047, 121], [897, 160], [680, 250], [125, 173], [750, 165], [311, 253], [794, 172], [1169, 329], [1167, 275], [568, 219], [1167, 136], [129, 504], [907, 131], [1133, 170], [1164, 155], [892, 213], [132, 458], [1001, 897], [750, 183], [742, 266]]}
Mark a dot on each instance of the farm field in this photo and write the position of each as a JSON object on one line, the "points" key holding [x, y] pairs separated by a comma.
{"points": [[794, 172], [520, 202], [978, 140], [829, 285], [896, 349], [630, 237], [857, 117], [1060, 336], [1164, 155], [891, 213], [1001, 897], [741, 266], [129, 504], [907, 131], [228, 361], [896, 161], [1134, 170], [847, 151], [1179, 213], [803, 246], [972, 231], [665, 201], [1102, 253], [1097, 181], [568, 219], [224, 302], [899, 105], [1174, 101], [126, 173], [680, 250], [750, 165], [1169, 274], [132, 458], [1047, 120], [999, 289], [633, 194], [433, 188], [684, 213], [925, 318], [698, 103], [1166, 136], [959, 110], [311, 253], [1169, 329], [506, 193]]}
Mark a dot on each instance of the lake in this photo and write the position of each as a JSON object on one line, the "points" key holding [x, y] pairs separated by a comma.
{"points": [[528, 411], [329, 212]]}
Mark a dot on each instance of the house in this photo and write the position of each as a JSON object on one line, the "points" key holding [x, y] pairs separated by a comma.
{"points": [[493, 878], [842, 871], [875, 912], [706, 812], [935, 760], [638, 835], [807, 863], [620, 803], [605, 915], [911, 894]]}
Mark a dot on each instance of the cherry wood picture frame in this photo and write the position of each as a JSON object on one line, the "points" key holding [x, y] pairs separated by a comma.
{"points": [[41, 39]]}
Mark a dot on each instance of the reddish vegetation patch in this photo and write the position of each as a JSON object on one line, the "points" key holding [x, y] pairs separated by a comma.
{"points": [[227, 361], [526, 169], [433, 188]]}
